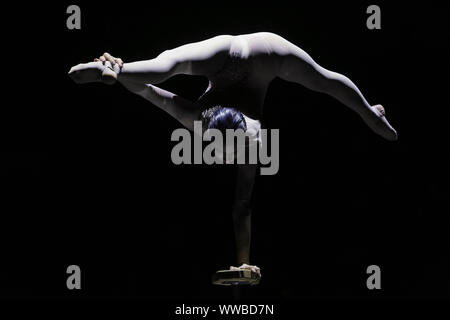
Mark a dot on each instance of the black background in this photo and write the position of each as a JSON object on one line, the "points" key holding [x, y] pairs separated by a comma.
{"points": [[87, 177]]}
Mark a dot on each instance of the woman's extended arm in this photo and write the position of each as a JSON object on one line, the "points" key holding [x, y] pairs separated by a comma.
{"points": [[178, 107]]}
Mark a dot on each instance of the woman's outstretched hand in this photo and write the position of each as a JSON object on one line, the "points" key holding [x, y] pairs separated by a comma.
{"points": [[113, 67], [107, 57], [103, 69]]}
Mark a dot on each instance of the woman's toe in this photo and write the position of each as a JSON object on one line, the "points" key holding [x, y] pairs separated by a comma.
{"points": [[380, 109]]}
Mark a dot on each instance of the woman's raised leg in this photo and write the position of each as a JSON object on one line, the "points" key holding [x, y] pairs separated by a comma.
{"points": [[198, 58], [294, 64]]}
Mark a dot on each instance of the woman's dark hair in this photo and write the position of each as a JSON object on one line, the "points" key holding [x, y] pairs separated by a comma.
{"points": [[223, 118]]}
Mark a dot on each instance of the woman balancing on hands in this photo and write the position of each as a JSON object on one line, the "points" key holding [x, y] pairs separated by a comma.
{"points": [[239, 69]]}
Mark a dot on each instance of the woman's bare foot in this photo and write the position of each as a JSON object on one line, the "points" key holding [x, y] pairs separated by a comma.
{"points": [[247, 267], [376, 120], [105, 69], [87, 72], [380, 108]]}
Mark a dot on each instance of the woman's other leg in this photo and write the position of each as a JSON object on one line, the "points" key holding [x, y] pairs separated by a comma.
{"points": [[294, 64], [198, 58]]}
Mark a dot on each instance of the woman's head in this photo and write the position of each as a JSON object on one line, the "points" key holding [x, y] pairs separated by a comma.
{"points": [[223, 118]]}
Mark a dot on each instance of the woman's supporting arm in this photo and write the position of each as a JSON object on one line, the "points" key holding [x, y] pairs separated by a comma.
{"points": [[246, 174]]}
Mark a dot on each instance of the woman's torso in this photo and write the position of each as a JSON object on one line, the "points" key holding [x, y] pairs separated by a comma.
{"points": [[240, 83]]}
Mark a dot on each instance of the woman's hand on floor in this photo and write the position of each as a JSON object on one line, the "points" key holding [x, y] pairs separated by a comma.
{"points": [[247, 267]]}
